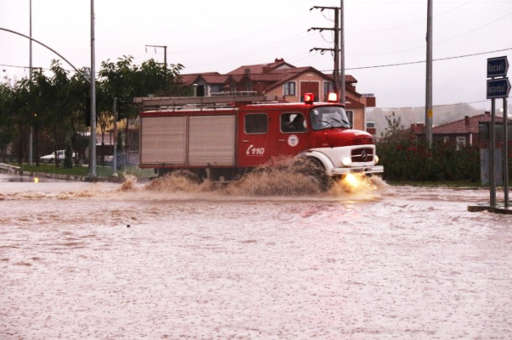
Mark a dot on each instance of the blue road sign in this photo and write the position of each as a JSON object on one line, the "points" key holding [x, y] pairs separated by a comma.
{"points": [[498, 88], [497, 67]]}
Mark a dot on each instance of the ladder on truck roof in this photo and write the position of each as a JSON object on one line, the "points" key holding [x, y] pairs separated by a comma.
{"points": [[181, 103]]}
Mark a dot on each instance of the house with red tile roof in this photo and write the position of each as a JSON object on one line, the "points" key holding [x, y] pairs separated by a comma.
{"points": [[462, 132], [281, 81]]}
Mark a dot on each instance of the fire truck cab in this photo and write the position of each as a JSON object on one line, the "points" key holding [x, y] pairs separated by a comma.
{"points": [[228, 136]]}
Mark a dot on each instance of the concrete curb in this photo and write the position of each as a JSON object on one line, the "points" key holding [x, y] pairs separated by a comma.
{"points": [[12, 169], [499, 209]]}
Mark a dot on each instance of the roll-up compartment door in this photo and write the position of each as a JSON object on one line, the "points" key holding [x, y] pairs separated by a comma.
{"points": [[163, 140], [212, 140]]}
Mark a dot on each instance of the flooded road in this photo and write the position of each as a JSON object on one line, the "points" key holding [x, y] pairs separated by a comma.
{"points": [[80, 260]]}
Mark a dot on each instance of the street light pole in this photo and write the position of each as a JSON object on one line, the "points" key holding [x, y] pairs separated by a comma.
{"points": [[92, 160], [31, 135], [428, 96]]}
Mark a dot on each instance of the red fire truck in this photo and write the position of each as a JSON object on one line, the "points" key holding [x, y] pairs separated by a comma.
{"points": [[222, 137]]}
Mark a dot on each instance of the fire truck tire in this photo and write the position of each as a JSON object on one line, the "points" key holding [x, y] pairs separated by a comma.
{"points": [[314, 168]]}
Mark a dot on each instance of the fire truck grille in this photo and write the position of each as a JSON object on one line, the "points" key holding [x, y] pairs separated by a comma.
{"points": [[362, 155]]}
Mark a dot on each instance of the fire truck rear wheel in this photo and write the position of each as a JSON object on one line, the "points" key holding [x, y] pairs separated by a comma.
{"points": [[187, 174]]}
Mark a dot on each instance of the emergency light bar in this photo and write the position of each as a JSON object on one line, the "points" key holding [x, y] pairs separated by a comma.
{"points": [[309, 98], [332, 97]]}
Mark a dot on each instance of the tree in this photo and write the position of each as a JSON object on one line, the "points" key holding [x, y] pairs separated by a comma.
{"points": [[55, 104], [125, 80], [6, 105]]}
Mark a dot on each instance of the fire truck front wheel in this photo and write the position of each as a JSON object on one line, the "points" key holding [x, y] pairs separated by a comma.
{"points": [[313, 168]]}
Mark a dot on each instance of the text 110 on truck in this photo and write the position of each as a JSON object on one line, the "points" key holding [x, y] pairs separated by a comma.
{"points": [[223, 137]]}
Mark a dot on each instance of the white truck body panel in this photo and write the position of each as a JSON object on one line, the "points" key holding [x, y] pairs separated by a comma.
{"points": [[212, 140], [188, 140], [163, 140]]}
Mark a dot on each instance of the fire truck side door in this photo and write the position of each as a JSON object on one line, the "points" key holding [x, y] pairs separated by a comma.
{"points": [[254, 147], [292, 134]]}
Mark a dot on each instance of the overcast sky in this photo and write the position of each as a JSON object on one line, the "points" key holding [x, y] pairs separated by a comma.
{"points": [[224, 34]]}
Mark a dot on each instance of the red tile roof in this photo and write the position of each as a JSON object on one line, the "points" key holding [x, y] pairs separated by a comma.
{"points": [[463, 126], [350, 79], [209, 77], [189, 79], [261, 68], [268, 76]]}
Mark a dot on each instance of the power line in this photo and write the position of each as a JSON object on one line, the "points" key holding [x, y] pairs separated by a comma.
{"points": [[423, 61], [359, 67]]}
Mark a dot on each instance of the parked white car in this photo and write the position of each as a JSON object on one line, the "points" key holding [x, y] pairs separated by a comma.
{"points": [[51, 157]]}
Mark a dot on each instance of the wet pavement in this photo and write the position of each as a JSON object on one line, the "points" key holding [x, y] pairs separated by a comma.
{"points": [[81, 260]]}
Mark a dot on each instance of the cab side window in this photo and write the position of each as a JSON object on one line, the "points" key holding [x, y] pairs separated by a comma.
{"points": [[293, 122], [256, 123]]}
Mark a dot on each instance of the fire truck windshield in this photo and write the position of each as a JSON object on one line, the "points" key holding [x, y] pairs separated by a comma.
{"points": [[326, 117]]}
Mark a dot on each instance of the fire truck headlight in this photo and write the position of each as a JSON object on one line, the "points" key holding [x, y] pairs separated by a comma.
{"points": [[376, 159], [346, 161]]}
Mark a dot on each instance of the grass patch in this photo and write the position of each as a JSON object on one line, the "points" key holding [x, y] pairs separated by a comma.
{"points": [[101, 171], [51, 169], [138, 172]]}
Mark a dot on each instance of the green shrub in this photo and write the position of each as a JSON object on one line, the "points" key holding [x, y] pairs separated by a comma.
{"points": [[408, 159]]}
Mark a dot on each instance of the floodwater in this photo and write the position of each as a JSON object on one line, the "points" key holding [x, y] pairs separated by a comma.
{"points": [[179, 260]]}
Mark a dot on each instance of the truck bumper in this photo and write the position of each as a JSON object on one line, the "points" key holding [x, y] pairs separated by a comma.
{"points": [[373, 169]]}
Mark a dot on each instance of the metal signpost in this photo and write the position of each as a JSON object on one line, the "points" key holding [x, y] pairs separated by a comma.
{"points": [[498, 86]]}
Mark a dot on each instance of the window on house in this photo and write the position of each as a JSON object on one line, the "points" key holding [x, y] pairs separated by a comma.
{"points": [[460, 142], [289, 88], [256, 123], [350, 116], [446, 139], [293, 122], [200, 90]]}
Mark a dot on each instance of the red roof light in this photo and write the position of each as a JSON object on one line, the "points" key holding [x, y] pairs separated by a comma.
{"points": [[309, 98]]}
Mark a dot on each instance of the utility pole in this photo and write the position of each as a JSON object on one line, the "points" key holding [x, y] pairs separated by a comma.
{"points": [[92, 160], [31, 135], [114, 159], [342, 52], [339, 76], [165, 52], [505, 153], [428, 96]]}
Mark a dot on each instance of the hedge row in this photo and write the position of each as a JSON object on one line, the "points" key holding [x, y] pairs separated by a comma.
{"points": [[413, 161]]}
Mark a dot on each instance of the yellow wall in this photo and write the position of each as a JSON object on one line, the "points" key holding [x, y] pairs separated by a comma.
{"points": [[358, 116]]}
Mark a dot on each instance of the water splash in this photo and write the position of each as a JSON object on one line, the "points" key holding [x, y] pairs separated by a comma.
{"points": [[129, 183], [180, 181], [280, 181], [287, 178]]}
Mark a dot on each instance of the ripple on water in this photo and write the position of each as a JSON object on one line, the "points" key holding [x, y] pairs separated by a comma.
{"points": [[253, 266]]}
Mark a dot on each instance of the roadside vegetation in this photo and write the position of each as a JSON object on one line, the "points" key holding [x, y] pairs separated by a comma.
{"points": [[56, 105], [408, 160]]}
